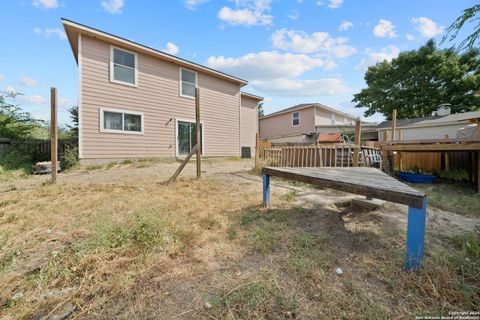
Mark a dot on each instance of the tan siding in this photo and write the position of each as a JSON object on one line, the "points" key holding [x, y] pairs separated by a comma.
{"points": [[281, 125], [249, 122], [157, 96]]}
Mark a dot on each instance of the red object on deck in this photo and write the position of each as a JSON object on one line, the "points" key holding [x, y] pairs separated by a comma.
{"points": [[329, 137]]}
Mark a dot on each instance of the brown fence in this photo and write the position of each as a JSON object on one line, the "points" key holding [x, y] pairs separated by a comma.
{"points": [[331, 155], [431, 161], [39, 147]]}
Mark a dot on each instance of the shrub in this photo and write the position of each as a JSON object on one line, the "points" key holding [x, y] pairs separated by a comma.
{"points": [[70, 159]]}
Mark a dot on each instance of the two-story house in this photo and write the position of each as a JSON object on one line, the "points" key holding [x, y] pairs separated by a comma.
{"points": [[303, 122], [137, 102]]}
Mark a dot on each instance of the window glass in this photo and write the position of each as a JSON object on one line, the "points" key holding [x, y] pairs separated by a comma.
{"points": [[188, 83], [123, 74], [189, 76], [188, 89], [112, 120], [296, 118], [132, 122], [123, 58]]}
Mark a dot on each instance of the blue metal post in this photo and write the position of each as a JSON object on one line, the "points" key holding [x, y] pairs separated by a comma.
{"points": [[266, 190], [416, 236]]}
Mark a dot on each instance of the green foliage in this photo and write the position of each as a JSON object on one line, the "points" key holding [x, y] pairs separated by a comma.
{"points": [[70, 159], [14, 123], [74, 118], [469, 15], [261, 113], [417, 81]]}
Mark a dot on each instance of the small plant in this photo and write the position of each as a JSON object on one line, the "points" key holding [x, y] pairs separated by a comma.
{"points": [[70, 159], [265, 239]]}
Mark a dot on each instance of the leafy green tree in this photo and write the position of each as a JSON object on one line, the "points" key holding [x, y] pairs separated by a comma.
{"points": [[74, 118], [469, 15], [260, 110], [417, 81], [14, 122]]}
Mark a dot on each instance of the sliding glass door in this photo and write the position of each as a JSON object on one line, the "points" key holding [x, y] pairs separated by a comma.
{"points": [[187, 136]]}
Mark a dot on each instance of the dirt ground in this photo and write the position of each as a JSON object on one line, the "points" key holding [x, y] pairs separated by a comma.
{"points": [[115, 242]]}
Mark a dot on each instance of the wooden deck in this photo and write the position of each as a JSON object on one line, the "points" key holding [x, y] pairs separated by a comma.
{"points": [[366, 181]]}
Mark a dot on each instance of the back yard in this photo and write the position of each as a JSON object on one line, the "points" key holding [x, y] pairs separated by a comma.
{"points": [[114, 242]]}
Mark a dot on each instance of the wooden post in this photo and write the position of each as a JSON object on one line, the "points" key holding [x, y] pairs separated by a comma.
{"points": [[416, 236], [257, 137], [447, 162], [400, 160], [199, 132], [358, 136], [53, 134], [394, 124]]}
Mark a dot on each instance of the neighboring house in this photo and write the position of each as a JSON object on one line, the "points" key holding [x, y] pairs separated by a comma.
{"points": [[136, 102], [303, 122], [435, 127]]}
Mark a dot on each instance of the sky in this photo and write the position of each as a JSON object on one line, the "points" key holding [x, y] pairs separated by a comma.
{"points": [[291, 52]]}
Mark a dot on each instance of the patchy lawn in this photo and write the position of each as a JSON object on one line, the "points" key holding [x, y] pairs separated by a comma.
{"points": [[115, 242]]}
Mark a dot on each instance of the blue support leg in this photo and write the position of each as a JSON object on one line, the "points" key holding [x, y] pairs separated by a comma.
{"points": [[416, 236], [266, 190]]}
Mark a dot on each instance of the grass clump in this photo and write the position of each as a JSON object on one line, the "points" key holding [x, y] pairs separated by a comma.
{"points": [[265, 238]]}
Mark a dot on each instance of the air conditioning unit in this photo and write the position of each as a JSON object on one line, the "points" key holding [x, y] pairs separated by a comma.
{"points": [[443, 110]]}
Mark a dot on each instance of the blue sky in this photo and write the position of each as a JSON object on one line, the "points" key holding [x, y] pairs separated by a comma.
{"points": [[292, 52]]}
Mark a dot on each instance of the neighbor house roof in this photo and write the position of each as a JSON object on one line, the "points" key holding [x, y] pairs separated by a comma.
{"points": [[73, 28], [307, 105], [250, 95], [431, 121]]}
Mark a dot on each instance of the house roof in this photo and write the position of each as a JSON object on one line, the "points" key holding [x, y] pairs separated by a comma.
{"points": [[73, 28], [431, 121], [250, 95], [308, 105]]}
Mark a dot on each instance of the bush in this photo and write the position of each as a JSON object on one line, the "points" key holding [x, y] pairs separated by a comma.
{"points": [[70, 159], [15, 159]]}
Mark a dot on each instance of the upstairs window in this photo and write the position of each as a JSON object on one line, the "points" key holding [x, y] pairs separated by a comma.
{"points": [[333, 118], [119, 121], [123, 67], [188, 83], [295, 118]]}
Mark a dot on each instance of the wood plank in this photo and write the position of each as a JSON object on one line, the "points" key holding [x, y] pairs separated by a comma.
{"points": [[360, 180], [53, 134], [432, 147]]}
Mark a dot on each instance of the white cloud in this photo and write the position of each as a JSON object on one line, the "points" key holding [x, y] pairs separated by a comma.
{"points": [[248, 13], [45, 4], [31, 99], [28, 82], [410, 37], [192, 4], [49, 32], [334, 4], [2, 77], [345, 25], [373, 57], [269, 65], [317, 42], [294, 15], [113, 6], [299, 88], [319, 3], [384, 29], [427, 27], [171, 48]]}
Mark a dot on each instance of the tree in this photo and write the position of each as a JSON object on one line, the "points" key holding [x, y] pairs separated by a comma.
{"points": [[469, 14], [14, 122], [260, 109], [74, 118], [417, 81]]}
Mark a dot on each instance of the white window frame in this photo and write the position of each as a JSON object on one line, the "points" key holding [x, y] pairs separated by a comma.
{"points": [[181, 82], [122, 111], [176, 136], [112, 78], [297, 112], [333, 118]]}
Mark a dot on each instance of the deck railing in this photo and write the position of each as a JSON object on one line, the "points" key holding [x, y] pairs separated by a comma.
{"points": [[328, 155]]}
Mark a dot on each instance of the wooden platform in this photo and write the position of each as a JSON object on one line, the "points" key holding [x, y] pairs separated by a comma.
{"points": [[370, 182]]}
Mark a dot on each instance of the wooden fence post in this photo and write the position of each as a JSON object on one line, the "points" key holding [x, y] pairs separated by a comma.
{"points": [[199, 132], [358, 136], [53, 133]]}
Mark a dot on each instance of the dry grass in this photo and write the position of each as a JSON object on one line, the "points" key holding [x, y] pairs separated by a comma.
{"points": [[140, 249]]}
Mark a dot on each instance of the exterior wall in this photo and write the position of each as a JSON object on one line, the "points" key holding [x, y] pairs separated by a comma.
{"points": [[157, 96], [295, 139], [425, 133], [281, 125], [249, 122], [324, 118]]}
